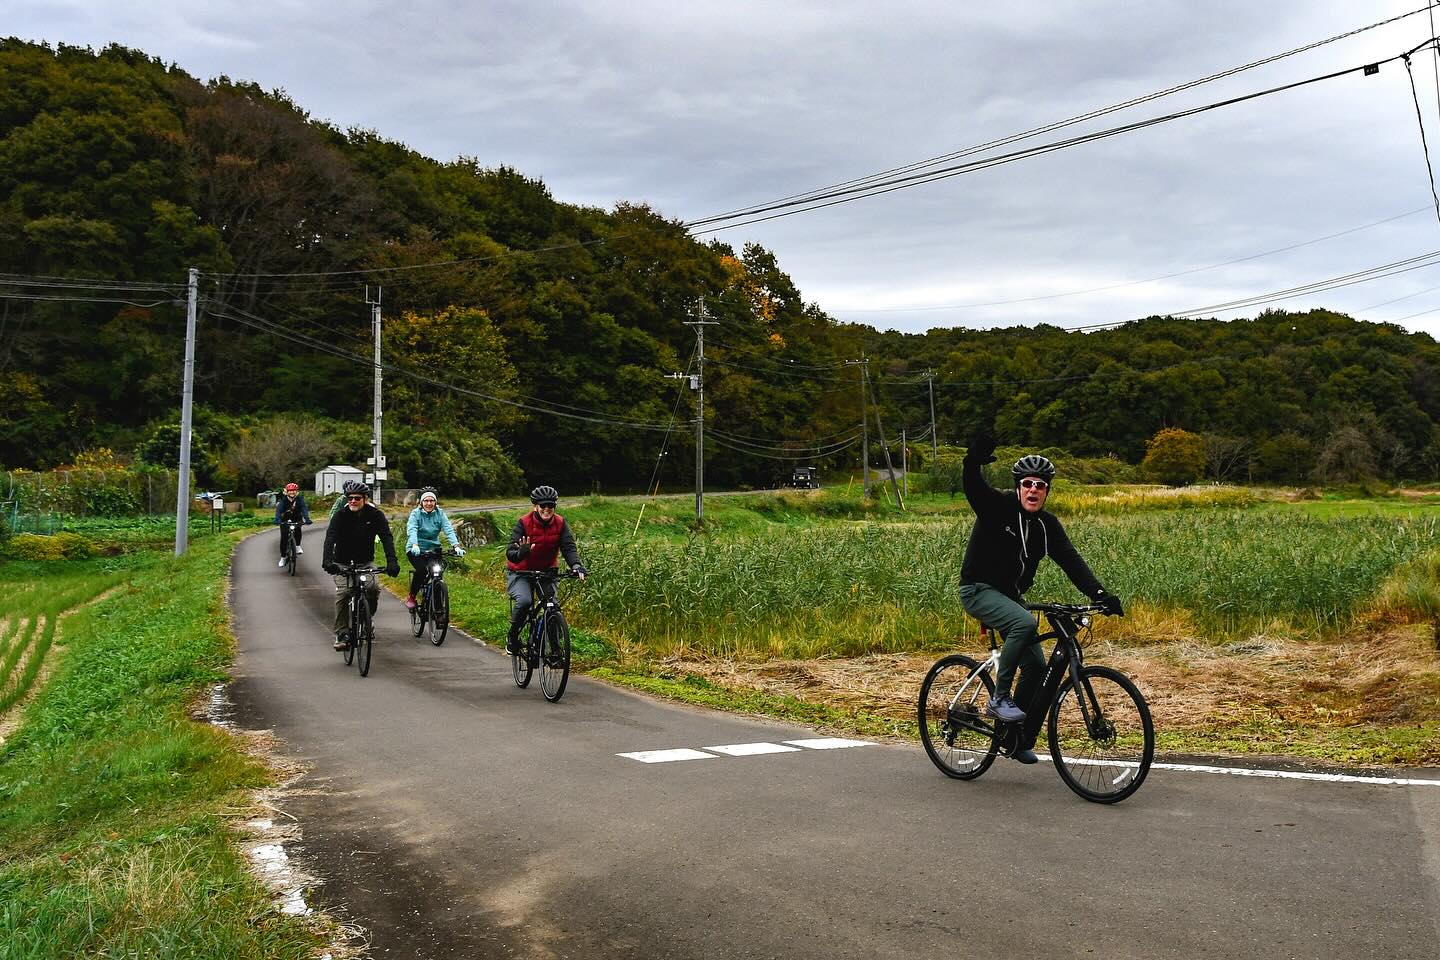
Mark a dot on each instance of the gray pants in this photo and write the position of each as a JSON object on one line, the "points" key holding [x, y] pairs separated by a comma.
{"points": [[1018, 628], [342, 601], [522, 594]]}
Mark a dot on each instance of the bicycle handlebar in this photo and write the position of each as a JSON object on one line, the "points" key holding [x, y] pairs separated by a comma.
{"points": [[547, 574], [1066, 609]]}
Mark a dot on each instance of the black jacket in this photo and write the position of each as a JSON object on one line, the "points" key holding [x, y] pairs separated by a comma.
{"points": [[351, 537], [1008, 544], [285, 509]]}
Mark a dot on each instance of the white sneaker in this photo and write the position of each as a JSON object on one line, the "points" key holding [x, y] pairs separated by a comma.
{"points": [[299, 549], [281, 563]]}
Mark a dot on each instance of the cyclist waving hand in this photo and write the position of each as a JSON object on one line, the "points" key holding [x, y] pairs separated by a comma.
{"points": [[1013, 532], [538, 537]]}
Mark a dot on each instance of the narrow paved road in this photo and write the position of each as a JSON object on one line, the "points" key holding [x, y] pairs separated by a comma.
{"points": [[456, 816]]}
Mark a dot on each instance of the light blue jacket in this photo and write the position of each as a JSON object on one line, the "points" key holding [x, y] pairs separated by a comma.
{"points": [[423, 530]]}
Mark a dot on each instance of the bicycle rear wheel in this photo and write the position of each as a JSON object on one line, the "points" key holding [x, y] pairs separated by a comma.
{"points": [[957, 735], [520, 663], [555, 657], [439, 612], [364, 638], [1106, 759]]}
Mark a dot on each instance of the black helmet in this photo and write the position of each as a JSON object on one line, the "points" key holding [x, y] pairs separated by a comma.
{"points": [[1033, 465], [544, 494], [355, 486], [430, 490]]}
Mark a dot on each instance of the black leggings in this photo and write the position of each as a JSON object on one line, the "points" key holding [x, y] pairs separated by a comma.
{"points": [[421, 563]]}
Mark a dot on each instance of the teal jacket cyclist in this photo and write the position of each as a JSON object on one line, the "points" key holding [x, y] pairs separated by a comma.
{"points": [[422, 536]]}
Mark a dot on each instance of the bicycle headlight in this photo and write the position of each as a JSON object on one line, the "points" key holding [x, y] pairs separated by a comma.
{"points": [[364, 578], [1085, 621], [435, 568]]}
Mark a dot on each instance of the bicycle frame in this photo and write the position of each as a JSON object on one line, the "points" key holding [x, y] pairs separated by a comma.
{"points": [[1065, 662], [358, 575]]}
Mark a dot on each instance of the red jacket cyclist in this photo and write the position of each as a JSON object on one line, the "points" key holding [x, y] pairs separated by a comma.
{"points": [[539, 536]]}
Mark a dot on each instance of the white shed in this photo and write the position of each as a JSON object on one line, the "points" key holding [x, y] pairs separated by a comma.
{"points": [[333, 477]]}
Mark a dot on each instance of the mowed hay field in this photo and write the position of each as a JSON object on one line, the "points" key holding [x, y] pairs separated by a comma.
{"points": [[1252, 624]]}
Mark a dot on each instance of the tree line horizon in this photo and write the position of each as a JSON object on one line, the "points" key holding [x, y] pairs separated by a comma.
{"points": [[114, 165]]}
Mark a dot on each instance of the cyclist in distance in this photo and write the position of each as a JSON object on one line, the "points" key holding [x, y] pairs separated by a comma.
{"points": [[1013, 532], [347, 488], [422, 535], [537, 538], [351, 539], [292, 506]]}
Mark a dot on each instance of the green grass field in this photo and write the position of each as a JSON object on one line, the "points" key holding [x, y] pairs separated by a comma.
{"points": [[114, 805]]}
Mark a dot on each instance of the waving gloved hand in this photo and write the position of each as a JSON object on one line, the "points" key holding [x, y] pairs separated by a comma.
{"points": [[982, 447]]}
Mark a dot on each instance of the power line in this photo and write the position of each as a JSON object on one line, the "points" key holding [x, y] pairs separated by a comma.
{"points": [[790, 208], [1071, 121]]}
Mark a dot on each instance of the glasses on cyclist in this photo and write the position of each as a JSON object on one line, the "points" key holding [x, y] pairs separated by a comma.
{"points": [[1030, 482], [356, 498], [546, 506]]}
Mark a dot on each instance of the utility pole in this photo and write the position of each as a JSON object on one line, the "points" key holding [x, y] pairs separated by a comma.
{"points": [[187, 401], [929, 375], [377, 458], [904, 462], [697, 383], [889, 466], [864, 364]]}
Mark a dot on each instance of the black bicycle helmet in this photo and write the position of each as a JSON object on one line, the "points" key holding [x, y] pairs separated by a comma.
{"points": [[430, 490], [1033, 465], [545, 494], [354, 486]]}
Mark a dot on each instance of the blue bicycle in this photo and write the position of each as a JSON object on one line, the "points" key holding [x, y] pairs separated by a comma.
{"points": [[547, 637]]}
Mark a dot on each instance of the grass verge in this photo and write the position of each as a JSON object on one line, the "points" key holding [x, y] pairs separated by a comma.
{"points": [[114, 805]]}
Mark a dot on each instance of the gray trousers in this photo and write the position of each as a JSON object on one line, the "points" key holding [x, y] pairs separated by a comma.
{"points": [[342, 601], [522, 594], [1018, 628]]}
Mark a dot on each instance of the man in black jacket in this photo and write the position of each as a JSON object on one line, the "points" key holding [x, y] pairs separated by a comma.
{"points": [[1013, 532], [351, 539]]}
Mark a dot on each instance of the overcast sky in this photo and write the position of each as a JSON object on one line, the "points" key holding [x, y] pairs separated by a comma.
{"points": [[699, 107]]}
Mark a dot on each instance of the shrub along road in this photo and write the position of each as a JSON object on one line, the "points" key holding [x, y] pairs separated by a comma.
{"points": [[453, 815]]}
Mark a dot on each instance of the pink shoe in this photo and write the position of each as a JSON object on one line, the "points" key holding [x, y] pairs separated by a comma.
{"points": [[409, 603]]}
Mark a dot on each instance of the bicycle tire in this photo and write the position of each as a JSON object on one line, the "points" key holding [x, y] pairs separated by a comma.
{"points": [[958, 737], [1108, 761], [364, 638], [349, 653], [520, 663], [290, 562], [555, 657], [439, 612], [417, 615]]}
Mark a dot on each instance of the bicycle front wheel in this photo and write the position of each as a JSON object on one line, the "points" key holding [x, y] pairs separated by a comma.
{"points": [[1101, 735], [364, 638], [349, 653], [958, 737], [290, 560], [439, 612], [555, 657]]}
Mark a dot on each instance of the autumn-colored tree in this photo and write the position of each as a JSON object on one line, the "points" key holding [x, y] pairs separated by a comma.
{"points": [[1174, 457]]}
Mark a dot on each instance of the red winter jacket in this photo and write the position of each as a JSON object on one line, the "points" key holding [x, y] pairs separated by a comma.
{"points": [[546, 541]]}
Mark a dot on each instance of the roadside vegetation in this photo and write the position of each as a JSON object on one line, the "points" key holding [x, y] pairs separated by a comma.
{"points": [[1272, 622], [115, 806]]}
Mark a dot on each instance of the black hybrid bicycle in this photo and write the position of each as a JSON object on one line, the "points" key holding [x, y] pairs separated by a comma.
{"points": [[362, 623], [431, 613], [547, 637], [288, 531], [1097, 723]]}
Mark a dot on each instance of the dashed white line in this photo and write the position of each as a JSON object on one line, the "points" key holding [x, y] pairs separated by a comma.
{"points": [[743, 749], [752, 749], [668, 756]]}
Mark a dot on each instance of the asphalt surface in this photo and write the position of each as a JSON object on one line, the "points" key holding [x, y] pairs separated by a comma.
{"points": [[453, 815]]}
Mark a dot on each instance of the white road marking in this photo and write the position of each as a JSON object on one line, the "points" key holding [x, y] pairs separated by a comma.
{"points": [[1270, 774], [829, 743], [668, 756], [752, 749]]}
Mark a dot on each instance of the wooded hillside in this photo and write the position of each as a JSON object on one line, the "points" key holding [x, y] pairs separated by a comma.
{"points": [[531, 339]]}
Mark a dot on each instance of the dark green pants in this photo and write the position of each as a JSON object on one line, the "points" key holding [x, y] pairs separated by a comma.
{"points": [[1018, 628]]}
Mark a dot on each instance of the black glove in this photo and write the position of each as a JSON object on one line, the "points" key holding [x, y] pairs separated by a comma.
{"points": [[982, 448], [332, 568], [394, 569], [579, 570], [1110, 605]]}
